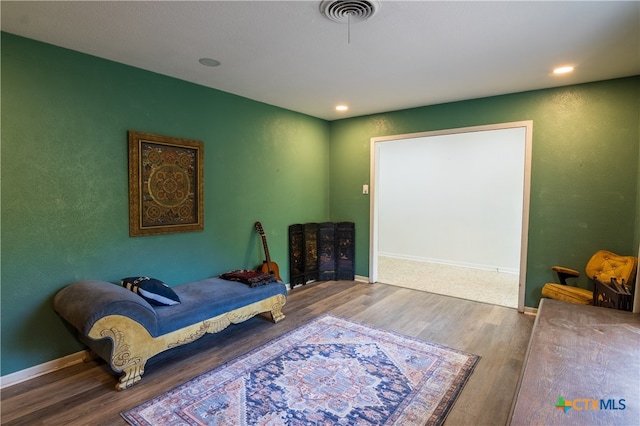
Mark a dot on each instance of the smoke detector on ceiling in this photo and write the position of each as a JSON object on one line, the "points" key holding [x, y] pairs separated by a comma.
{"points": [[349, 11]]}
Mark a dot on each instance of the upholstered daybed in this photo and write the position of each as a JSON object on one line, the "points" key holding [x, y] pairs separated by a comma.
{"points": [[126, 330]]}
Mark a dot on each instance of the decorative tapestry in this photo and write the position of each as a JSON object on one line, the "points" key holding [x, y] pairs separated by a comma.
{"points": [[165, 184]]}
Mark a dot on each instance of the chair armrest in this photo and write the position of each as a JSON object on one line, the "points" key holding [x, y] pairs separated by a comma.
{"points": [[564, 273], [567, 271]]}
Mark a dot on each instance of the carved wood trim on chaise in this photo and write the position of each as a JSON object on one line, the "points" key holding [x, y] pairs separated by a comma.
{"points": [[126, 331]]}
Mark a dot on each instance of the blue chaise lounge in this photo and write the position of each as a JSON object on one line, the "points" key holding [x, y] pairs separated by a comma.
{"points": [[125, 330]]}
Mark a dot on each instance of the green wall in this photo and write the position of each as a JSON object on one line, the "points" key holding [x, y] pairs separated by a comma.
{"points": [[64, 193], [65, 118], [584, 178]]}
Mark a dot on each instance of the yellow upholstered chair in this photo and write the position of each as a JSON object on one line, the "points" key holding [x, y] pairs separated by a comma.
{"points": [[610, 275]]}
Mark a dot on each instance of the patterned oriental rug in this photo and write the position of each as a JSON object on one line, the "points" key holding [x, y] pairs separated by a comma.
{"points": [[330, 371]]}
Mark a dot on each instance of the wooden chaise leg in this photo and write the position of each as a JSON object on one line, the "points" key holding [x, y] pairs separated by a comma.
{"points": [[132, 375], [276, 309], [124, 358]]}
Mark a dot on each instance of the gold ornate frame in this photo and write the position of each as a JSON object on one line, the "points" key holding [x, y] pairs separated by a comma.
{"points": [[165, 184]]}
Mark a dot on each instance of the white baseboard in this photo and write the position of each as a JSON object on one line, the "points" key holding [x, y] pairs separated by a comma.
{"points": [[530, 311], [482, 267], [361, 279], [39, 370]]}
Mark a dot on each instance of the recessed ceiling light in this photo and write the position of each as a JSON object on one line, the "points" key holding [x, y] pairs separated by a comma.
{"points": [[208, 62], [342, 108], [563, 70]]}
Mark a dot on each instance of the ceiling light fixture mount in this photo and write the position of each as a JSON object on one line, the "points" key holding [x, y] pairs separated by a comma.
{"points": [[349, 11], [208, 62]]}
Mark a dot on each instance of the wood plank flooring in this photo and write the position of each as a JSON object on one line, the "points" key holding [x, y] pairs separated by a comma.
{"points": [[84, 394]]}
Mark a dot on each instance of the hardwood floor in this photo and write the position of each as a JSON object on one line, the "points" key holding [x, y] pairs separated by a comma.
{"points": [[84, 394]]}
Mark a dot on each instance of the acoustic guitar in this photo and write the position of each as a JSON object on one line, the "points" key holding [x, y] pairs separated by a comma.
{"points": [[268, 267]]}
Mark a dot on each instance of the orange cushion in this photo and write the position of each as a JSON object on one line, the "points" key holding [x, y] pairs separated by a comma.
{"points": [[605, 265], [566, 293]]}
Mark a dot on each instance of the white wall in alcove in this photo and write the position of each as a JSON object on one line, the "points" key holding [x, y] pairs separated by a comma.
{"points": [[454, 198]]}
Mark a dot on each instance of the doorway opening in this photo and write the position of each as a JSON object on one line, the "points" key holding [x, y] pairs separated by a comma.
{"points": [[451, 209]]}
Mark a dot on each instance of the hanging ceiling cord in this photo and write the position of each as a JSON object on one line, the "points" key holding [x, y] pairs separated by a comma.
{"points": [[348, 11]]}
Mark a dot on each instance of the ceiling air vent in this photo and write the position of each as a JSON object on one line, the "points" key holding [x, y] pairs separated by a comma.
{"points": [[349, 11]]}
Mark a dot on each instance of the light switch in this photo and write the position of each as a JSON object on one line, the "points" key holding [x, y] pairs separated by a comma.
{"points": [[365, 189]]}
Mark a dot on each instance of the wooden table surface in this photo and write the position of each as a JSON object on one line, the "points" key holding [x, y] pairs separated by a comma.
{"points": [[587, 355]]}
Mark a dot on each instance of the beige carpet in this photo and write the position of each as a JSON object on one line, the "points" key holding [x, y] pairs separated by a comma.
{"points": [[497, 288]]}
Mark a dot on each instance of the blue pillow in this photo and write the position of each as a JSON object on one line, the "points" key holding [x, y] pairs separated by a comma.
{"points": [[152, 290]]}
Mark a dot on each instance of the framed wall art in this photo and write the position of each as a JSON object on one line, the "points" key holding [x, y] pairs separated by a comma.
{"points": [[165, 184]]}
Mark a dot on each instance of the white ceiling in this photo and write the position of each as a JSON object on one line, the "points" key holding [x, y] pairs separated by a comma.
{"points": [[286, 53]]}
